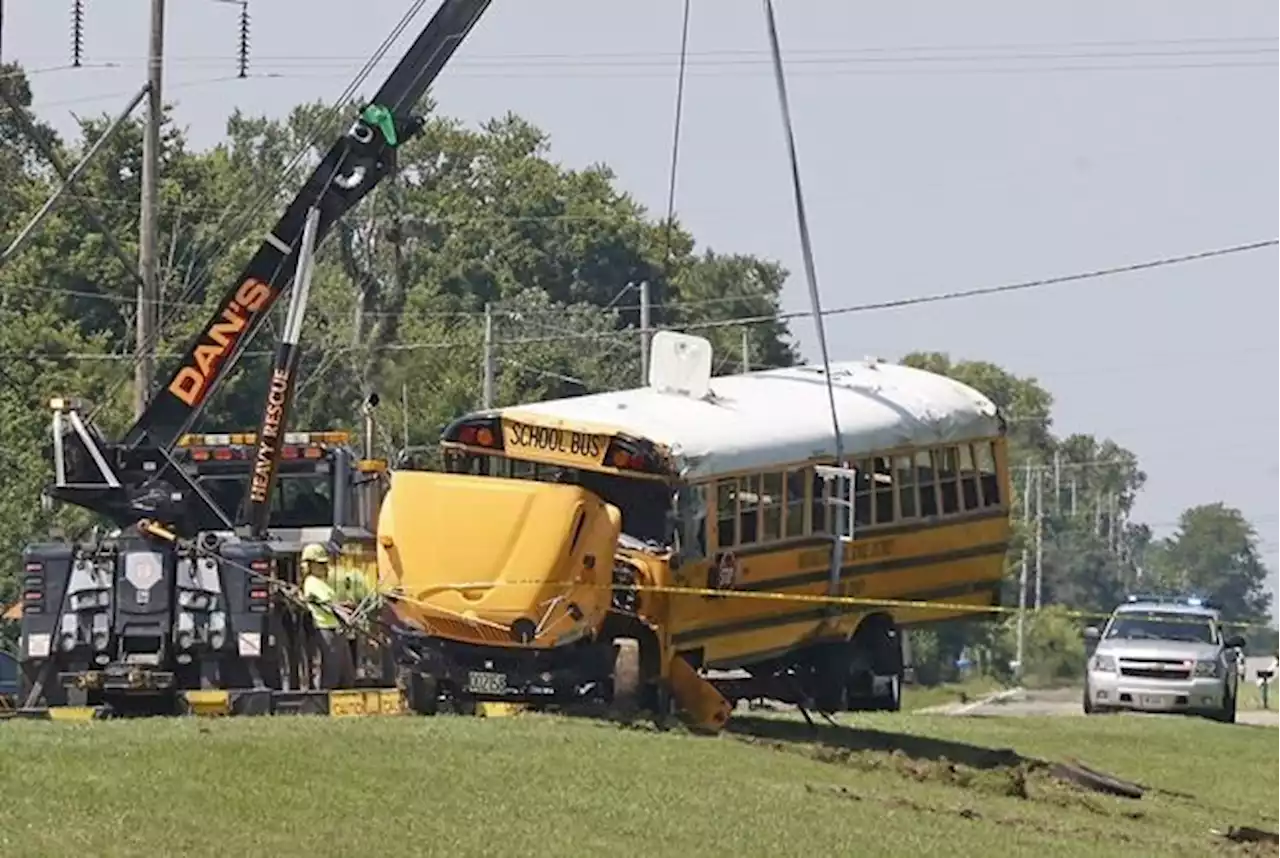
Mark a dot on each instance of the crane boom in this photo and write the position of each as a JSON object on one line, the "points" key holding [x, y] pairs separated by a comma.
{"points": [[123, 480], [353, 166]]}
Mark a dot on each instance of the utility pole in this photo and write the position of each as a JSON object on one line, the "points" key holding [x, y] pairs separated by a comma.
{"points": [[148, 289], [1022, 577], [746, 350], [1057, 481], [1074, 486], [1039, 534], [404, 412], [645, 334], [486, 396], [1113, 537]]}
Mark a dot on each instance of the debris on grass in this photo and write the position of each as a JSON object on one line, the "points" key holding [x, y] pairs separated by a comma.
{"points": [[1248, 834]]}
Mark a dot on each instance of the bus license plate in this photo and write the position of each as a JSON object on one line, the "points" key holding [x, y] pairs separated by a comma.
{"points": [[481, 682]]}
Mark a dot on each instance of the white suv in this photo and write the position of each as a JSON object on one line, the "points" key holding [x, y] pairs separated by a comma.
{"points": [[1163, 656]]}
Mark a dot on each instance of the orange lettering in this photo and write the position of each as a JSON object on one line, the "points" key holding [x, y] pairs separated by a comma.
{"points": [[253, 294], [223, 333], [191, 381], [186, 385]]}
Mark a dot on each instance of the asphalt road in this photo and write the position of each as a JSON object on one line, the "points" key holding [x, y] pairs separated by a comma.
{"points": [[1066, 703]]}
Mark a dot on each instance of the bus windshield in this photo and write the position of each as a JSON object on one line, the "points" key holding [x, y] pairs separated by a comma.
{"points": [[299, 500], [645, 504]]}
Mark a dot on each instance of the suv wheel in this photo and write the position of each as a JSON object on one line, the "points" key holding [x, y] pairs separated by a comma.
{"points": [[1227, 715]]}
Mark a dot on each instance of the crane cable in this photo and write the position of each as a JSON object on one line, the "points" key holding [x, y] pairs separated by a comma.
{"points": [[837, 545]]}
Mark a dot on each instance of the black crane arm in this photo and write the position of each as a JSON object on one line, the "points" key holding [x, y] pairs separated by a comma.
{"points": [[353, 167], [121, 480]]}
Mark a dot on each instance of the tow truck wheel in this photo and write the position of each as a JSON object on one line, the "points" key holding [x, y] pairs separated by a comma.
{"points": [[421, 693], [626, 676]]}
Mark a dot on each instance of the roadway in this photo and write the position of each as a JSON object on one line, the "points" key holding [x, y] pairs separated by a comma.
{"points": [[1062, 702]]}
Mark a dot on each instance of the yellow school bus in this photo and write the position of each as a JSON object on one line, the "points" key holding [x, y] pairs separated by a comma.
{"points": [[553, 557]]}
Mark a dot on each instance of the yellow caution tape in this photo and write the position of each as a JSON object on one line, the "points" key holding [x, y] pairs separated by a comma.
{"points": [[801, 598]]}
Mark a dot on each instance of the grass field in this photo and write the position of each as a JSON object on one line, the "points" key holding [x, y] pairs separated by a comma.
{"points": [[541, 785]]}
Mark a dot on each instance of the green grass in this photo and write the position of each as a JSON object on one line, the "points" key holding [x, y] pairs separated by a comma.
{"points": [[916, 697], [540, 785], [1249, 696]]}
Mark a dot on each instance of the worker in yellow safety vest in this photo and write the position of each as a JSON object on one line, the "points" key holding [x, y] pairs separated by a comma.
{"points": [[337, 668]]}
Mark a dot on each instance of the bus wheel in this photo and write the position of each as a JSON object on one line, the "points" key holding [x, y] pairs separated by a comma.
{"points": [[626, 676], [880, 637]]}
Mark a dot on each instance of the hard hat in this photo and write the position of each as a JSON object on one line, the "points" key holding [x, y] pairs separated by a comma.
{"points": [[314, 553]]}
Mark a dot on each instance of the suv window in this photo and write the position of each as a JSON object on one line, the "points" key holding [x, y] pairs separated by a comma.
{"points": [[1163, 626]]}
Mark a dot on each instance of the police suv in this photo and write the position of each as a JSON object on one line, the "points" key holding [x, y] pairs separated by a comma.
{"points": [[1163, 655]]}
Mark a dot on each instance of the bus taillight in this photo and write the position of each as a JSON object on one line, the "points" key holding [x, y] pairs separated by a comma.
{"points": [[628, 454], [484, 432]]}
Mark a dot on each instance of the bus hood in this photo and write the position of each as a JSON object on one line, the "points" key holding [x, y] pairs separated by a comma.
{"points": [[498, 561]]}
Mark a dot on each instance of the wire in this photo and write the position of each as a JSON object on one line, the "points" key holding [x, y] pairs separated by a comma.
{"points": [[931, 299], [675, 134], [781, 317], [1243, 45]]}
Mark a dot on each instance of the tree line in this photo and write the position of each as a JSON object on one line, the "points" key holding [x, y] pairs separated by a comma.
{"points": [[473, 217]]}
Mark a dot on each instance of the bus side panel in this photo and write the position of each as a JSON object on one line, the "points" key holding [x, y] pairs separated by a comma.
{"points": [[955, 563]]}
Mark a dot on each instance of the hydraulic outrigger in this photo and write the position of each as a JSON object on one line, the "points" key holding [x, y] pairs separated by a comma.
{"points": [[175, 600]]}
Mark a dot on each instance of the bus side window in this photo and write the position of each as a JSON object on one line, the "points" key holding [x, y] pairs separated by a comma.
{"points": [[906, 480], [883, 490], [987, 473], [861, 493], [727, 513], [948, 480], [771, 507], [794, 509], [749, 509], [928, 488], [691, 513], [968, 479], [818, 502]]}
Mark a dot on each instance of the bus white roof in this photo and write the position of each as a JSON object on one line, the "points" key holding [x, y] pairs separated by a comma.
{"points": [[764, 419]]}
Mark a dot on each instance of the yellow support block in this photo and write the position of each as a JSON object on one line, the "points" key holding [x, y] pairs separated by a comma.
{"points": [[498, 709], [72, 713], [391, 702], [347, 704], [208, 703]]}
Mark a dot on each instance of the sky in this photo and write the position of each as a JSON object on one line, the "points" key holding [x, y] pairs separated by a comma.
{"points": [[942, 146]]}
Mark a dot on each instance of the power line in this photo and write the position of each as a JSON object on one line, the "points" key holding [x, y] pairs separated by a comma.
{"points": [[761, 55], [836, 311]]}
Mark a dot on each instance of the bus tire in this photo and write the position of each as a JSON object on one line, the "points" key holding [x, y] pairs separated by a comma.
{"points": [[626, 676], [881, 637]]}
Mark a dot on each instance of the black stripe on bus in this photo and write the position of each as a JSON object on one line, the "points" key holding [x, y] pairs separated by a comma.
{"points": [[821, 612], [868, 533], [857, 570]]}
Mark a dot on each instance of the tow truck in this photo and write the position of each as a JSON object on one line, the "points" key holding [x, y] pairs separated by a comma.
{"points": [[190, 603]]}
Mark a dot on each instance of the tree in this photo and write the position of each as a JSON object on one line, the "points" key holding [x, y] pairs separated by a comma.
{"points": [[1214, 553]]}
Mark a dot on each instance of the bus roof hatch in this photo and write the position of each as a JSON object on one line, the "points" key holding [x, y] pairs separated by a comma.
{"points": [[680, 364]]}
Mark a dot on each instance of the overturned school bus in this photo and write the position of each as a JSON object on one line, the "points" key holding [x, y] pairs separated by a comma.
{"points": [[631, 545]]}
